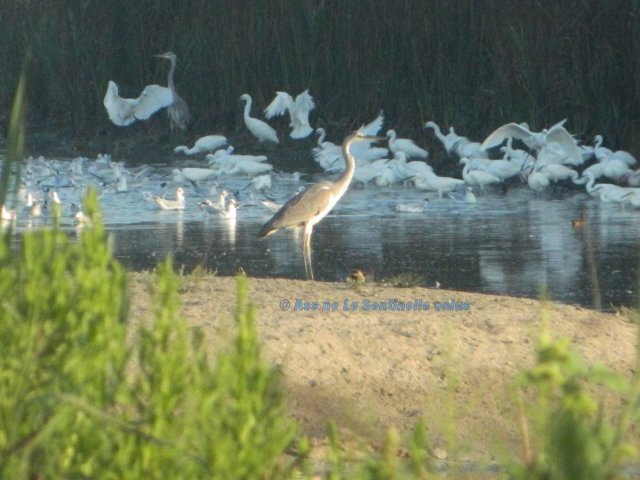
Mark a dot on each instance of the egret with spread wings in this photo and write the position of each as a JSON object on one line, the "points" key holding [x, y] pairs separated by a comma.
{"points": [[125, 111], [298, 112]]}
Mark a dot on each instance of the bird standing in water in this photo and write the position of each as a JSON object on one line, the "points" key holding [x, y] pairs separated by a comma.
{"points": [[260, 129], [308, 207], [178, 111]]}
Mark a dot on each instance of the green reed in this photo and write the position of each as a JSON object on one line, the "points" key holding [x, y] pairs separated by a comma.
{"points": [[474, 65]]}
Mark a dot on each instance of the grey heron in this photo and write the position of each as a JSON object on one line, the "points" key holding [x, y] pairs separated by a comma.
{"points": [[179, 114], [308, 207]]}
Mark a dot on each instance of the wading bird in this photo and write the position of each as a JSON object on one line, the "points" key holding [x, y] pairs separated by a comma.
{"points": [[178, 111], [310, 206], [405, 145], [206, 144], [556, 137], [261, 130], [125, 111], [298, 112]]}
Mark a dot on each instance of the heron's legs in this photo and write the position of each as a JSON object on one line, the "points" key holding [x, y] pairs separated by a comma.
{"points": [[306, 253]]}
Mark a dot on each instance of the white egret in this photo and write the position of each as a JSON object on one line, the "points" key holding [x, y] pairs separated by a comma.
{"points": [[246, 167], [537, 181], [373, 128], [178, 111], [310, 206], [448, 141], [206, 144], [227, 157], [614, 168], [367, 172], [192, 174], [477, 177], [322, 145], [261, 130], [432, 182], [298, 112], [537, 140], [503, 169], [617, 195], [178, 204], [125, 111], [556, 172], [406, 145]]}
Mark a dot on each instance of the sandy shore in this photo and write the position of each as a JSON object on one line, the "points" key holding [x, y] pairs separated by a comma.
{"points": [[369, 369]]}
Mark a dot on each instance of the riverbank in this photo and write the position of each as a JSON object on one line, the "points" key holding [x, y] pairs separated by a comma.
{"points": [[447, 356]]}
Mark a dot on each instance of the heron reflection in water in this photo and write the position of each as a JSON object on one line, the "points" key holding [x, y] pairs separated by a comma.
{"points": [[308, 207]]}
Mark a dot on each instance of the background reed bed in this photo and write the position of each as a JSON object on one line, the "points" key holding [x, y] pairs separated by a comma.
{"points": [[472, 64]]}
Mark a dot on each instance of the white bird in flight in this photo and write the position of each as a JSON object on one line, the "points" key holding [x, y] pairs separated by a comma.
{"points": [[261, 130], [125, 111], [298, 112]]}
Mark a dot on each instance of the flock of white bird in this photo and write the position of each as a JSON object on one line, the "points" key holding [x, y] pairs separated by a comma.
{"points": [[545, 158], [550, 156]]}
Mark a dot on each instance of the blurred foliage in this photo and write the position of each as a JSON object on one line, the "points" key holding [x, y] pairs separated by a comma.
{"points": [[573, 435], [471, 64], [87, 395]]}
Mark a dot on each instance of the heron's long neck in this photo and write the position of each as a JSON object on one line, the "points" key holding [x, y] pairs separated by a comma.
{"points": [[350, 167], [170, 76]]}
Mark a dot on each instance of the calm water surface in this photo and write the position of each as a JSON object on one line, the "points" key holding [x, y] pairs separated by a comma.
{"points": [[513, 243]]}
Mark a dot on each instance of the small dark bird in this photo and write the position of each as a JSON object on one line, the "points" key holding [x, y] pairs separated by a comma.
{"points": [[579, 221], [357, 276]]}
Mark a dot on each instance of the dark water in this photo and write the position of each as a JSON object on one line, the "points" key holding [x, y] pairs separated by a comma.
{"points": [[513, 243]]}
